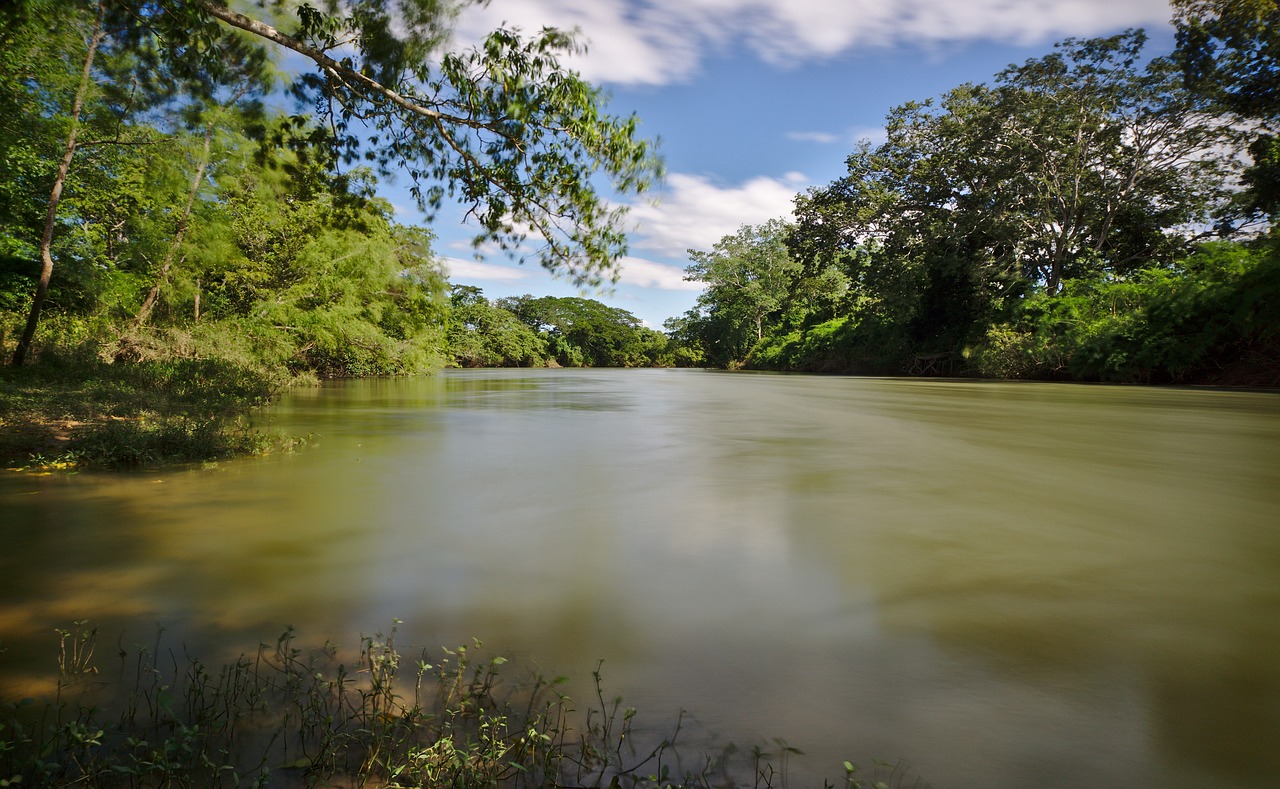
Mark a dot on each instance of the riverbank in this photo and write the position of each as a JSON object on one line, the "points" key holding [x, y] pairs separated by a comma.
{"points": [[374, 717], [76, 411]]}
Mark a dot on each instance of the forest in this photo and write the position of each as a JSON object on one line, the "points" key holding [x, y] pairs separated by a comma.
{"points": [[1096, 214], [186, 229], [175, 247]]}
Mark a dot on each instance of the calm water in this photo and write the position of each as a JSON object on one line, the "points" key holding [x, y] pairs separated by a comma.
{"points": [[1009, 585]]}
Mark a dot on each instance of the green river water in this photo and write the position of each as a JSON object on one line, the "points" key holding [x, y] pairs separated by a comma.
{"points": [[1007, 584]]}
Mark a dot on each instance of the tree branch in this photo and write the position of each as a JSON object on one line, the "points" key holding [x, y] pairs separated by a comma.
{"points": [[268, 32]]}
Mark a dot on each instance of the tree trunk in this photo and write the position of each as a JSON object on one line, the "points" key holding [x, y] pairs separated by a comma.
{"points": [[149, 303], [55, 196]]}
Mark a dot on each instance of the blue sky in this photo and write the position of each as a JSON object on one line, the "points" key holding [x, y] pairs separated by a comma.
{"points": [[757, 100]]}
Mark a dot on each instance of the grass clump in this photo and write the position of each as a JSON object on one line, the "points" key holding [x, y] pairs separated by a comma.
{"points": [[76, 410], [285, 717]]}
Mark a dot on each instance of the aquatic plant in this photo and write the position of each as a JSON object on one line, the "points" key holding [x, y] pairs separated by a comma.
{"points": [[284, 716]]}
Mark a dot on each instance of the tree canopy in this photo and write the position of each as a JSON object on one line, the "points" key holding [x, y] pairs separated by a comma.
{"points": [[1073, 183], [563, 331], [1230, 54], [502, 127]]}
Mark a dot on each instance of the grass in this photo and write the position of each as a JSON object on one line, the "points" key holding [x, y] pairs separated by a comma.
{"points": [[77, 411], [284, 717]]}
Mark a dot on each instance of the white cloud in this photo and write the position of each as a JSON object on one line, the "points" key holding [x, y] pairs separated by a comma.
{"points": [[458, 268], [662, 41], [632, 43], [695, 213], [822, 138], [647, 274], [875, 134]]}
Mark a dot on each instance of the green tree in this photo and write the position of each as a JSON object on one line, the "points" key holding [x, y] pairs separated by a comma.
{"points": [[748, 276], [587, 332], [1081, 163], [74, 116], [1230, 52], [321, 273], [1110, 155], [504, 127], [483, 334], [1213, 317], [120, 87]]}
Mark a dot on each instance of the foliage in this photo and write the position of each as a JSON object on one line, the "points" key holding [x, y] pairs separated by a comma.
{"points": [[747, 274], [176, 223], [1217, 311], [549, 331], [311, 718], [1230, 53], [840, 345], [754, 286], [585, 332], [502, 127], [484, 335], [74, 411], [1231, 49], [137, 155], [1079, 162], [1044, 225]]}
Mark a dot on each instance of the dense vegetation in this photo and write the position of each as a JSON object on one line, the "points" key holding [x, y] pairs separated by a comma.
{"points": [[524, 331], [1094, 214], [160, 211]]}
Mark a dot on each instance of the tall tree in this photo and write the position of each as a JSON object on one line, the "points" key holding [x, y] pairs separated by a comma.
{"points": [[748, 276], [1230, 52], [124, 90], [1110, 156], [1085, 162], [586, 332], [94, 39], [503, 127]]}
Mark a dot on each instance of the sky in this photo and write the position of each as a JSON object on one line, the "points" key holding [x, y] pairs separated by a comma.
{"points": [[755, 101]]}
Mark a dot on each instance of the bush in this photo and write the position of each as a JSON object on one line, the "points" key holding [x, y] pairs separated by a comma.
{"points": [[848, 344], [1212, 312]]}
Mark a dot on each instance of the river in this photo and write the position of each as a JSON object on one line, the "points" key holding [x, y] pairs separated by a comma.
{"points": [[1006, 584]]}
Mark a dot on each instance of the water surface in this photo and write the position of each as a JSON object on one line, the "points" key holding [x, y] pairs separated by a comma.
{"points": [[1009, 585]]}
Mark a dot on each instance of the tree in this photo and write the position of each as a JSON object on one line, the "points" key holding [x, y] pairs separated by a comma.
{"points": [[504, 128], [95, 36], [120, 76], [482, 334], [1230, 52], [1085, 162], [1111, 158], [587, 332], [748, 276], [1231, 49]]}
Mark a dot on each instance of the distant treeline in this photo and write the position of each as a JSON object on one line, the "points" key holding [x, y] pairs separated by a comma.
{"points": [[524, 331]]}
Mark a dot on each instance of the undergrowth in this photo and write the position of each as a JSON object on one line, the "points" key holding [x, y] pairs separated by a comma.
{"points": [[75, 410], [285, 717]]}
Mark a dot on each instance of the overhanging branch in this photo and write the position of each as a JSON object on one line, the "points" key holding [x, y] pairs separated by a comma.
{"points": [[268, 32]]}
